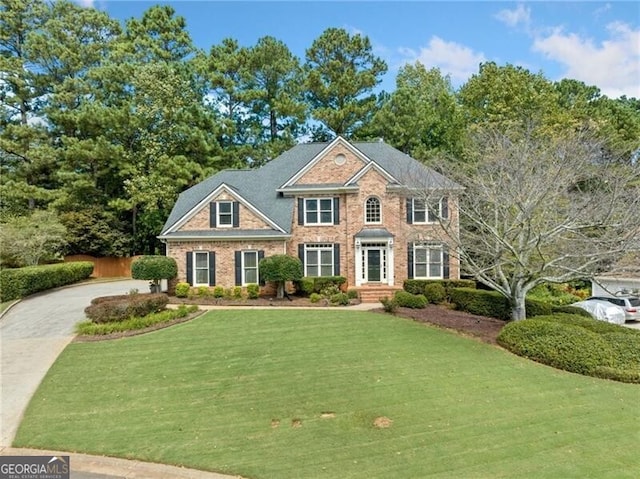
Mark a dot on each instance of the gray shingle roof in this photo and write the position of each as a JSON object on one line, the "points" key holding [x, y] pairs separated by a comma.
{"points": [[259, 186]]}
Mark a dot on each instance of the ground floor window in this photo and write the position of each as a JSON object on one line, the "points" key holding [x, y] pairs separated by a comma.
{"points": [[318, 260], [249, 267], [201, 268], [428, 261]]}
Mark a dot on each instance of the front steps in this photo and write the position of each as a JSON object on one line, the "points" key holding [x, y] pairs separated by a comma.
{"points": [[373, 294]]}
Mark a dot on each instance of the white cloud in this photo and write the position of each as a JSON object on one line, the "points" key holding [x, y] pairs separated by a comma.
{"points": [[521, 15], [454, 59], [613, 65]]}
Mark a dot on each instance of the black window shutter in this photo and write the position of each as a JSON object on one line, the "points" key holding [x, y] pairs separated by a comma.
{"points": [[190, 268], [212, 268], [445, 208], [260, 257], [236, 214], [410, 260], [212, 214], [409, 211], [300, 211], [336, 259], [238, 260], [336, 211], [445, 262], [301, 255]]}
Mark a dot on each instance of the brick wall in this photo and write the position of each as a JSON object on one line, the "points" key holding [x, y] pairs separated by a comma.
{"points": [[327, 171], [248, 220]]}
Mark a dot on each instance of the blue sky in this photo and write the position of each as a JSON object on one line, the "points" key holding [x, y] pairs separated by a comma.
{"points": [[595, 42]]}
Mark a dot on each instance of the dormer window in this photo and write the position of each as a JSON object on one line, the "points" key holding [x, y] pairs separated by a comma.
{"points": [[225, 213], [372, 211]]}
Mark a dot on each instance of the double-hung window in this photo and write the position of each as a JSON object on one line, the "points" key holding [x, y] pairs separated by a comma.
{"points": [[427, 261], [225, 213], [318, 211], [423, 212], [249, 267], [201, 268], [318, 259]]}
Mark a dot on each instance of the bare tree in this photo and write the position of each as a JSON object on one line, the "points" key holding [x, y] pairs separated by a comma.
{"points": [[537, 209]]}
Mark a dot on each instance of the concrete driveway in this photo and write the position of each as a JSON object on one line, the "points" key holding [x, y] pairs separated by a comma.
{"points": [[32, 335]]}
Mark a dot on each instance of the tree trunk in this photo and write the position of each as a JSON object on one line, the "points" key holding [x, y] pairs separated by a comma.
{"points": [[518, 307], [280, 287]]}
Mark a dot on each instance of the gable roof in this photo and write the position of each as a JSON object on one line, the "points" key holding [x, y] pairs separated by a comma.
{"points": [[261, 186]]}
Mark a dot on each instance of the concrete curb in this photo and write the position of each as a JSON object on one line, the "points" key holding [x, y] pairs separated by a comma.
{"points": [[119, 468]]}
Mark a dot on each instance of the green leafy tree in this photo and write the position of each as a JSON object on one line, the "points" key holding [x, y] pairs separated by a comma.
{"points": [[28, 240], [421, 117], [280, 268], [154, 268], [341, 74]]}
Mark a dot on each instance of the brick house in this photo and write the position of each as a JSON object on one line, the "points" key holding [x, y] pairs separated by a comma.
{"points": [[352, 209]]}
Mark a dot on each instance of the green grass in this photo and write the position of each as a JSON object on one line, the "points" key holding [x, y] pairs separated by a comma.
{"points": [[204, 394]]}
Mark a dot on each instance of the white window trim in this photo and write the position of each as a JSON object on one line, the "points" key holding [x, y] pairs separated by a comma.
{"points": [[318, 211], [195, 269], [429, 248], [427, 212], [379, 222], [243, 268], [219, 214], [318, 247]]}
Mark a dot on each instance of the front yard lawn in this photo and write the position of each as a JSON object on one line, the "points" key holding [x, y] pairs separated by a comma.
{"points": [[298, 394]]}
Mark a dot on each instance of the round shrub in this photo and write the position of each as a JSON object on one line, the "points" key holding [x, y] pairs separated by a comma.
{"points": [[182, 290], [253, 291], [562, 346], [389, 305], [571, 310], [435, 293], [341, 299], [315, 297], [408, 300], [154, 268], [352, 293]]}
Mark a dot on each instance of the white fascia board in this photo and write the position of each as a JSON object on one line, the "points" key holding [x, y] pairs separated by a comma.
{"points": [[319, 156], [231, 192], [293, 191], [224, 238], [371, 165]]}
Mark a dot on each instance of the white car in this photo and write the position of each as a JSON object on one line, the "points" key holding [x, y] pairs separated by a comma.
{"points": [[630, 305], [602, 310]]}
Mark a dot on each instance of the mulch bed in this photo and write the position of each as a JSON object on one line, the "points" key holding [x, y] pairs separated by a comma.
{"points": [[481, 327]]}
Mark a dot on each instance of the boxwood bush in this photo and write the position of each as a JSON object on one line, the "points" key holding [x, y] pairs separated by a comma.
{"points": [[121, 308], [577, 344], [317, 284], [492, 304], [435, 293], [417, 286], [408, 300], [562, 346], [20, 282]]}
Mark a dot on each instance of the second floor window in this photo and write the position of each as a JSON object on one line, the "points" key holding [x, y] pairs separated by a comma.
{"points": [[418, 211], [225, 213], [372, 211], [318, 211]]}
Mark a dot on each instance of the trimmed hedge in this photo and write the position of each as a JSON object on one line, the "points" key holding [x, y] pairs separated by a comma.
{"points": [[571, 310], [20, 282], [493, 304], [316, 284], [417, 286], [562, 346], [435, 293], [577, 344], [119, 308], [408, 300]]}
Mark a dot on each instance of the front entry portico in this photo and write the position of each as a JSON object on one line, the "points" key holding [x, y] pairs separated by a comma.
{"points": [[374, 257]]}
